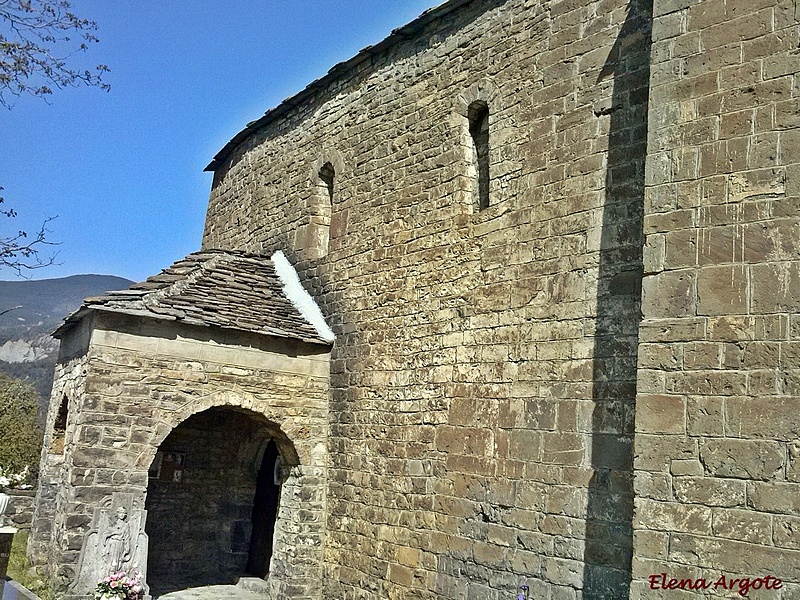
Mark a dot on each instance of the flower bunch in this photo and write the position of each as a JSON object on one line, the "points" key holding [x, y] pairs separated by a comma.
{"points": [[120, 586], [13, 480]]}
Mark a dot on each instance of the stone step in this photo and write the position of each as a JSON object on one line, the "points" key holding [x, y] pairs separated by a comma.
{"points": [[254, 584], [215, 592]]}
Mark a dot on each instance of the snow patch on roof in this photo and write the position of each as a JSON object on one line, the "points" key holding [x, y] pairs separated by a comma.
{"points": [[299, 297]]}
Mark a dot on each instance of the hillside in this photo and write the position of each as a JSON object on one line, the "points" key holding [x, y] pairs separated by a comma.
{"points": [[35, 309]]}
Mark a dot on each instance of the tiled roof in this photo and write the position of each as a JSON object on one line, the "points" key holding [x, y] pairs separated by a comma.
{"points": [[212, 288]]}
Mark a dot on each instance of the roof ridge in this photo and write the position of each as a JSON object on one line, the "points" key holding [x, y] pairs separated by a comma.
{"points": [[152, 299]]}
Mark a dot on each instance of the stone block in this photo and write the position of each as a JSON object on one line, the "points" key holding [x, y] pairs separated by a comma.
{"points": [[655, 486], [660, 414], [401, 575], [701, 355], [733, 556], [774, 497], [668, 295], [463, 440], [721, 383], [786, 532], [742, 525], [650, 544], [793, 466], [671, 330], [672, 517], [660, 356], [741, 459], [718, 244], [564, 448], [774, 418], [654, 452], [722, 290], [686, 467], [704, 415], [680, 249]]}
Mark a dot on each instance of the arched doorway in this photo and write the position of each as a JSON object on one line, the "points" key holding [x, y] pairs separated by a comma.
{"points": [[212, 500]]}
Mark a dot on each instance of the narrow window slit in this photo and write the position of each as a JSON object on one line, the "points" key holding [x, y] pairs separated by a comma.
{"points": [[478, 115], [60, 428], [327, 175]]}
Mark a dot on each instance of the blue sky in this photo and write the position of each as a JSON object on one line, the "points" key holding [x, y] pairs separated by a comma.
{"points": [[123, 170]]}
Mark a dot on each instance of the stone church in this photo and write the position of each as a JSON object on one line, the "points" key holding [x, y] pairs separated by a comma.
{"points": [[511, 298]]}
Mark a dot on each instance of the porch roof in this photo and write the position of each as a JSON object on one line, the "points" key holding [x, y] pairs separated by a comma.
{"points": [[215, 288]]}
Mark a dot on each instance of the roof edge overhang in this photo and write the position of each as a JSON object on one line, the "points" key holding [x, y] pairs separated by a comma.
{"points": [[339, 70], [296, 316], [75, 318]]}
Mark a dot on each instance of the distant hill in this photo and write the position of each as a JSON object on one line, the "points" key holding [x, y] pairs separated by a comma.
{"points": [[27, 351]]}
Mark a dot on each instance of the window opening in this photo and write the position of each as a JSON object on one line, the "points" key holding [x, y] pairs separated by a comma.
{"points": [[314, 237], [478, 115], [60, 428], [327, 174]]}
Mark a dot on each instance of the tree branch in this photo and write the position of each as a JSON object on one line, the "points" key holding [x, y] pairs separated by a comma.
{"points": [[36, 45], [20, 253]]}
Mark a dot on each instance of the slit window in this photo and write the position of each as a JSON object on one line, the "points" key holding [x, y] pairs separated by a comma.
{"points": [[327, 175], [478, 115], [60, 428]]}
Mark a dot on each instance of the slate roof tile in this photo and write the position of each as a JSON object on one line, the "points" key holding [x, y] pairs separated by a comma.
{"points": [[214, 288]]}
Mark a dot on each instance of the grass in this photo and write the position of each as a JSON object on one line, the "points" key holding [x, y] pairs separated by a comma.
{"points": [[19, 568]]}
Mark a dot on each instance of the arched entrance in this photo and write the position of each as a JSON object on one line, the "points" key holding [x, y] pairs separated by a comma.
{"points": [[212, 500]]}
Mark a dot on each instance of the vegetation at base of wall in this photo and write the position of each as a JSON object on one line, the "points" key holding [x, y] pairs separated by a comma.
{"points": [[19, 568], [21, 442]]}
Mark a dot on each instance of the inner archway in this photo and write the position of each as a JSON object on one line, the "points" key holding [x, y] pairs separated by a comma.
{"points": [[265, 511], [212, 476]]}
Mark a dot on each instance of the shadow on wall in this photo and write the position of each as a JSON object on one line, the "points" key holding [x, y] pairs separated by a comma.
{"points": [[609, 524]]}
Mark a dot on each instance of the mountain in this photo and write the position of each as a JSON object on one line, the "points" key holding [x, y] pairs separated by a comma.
{"points": [[33, 311]]}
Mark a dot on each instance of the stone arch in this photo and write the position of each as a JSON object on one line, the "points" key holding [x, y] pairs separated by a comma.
{"points": [[201, 491], [334, 157], [485, 91], [223, 400]]}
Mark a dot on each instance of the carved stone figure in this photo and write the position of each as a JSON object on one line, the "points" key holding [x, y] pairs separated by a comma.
{"points": [[117, 542]]}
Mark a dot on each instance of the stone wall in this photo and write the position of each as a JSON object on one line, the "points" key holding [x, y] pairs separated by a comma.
{"points": [[483, 374], [719, 369], [19, 513], [141, 380], [68, 387]]}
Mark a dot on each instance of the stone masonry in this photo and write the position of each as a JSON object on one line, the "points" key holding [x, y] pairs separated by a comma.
{"points": [[557, 243], [718, 417], [484, 371], [136, 385]]}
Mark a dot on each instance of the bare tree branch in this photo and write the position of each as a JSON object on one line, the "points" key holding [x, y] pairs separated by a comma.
{"points": [[36, 43], [35, 46], [20, 253], [8, 310]]}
